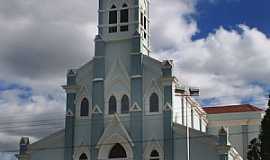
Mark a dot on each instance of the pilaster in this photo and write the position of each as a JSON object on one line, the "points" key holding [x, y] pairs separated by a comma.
{"points": [[70, 113], [136, 114], [97, 121], [223, 146], [167, 112]]}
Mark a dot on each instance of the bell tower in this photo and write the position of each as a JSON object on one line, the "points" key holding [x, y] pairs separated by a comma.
{"points": [[120, 20]]}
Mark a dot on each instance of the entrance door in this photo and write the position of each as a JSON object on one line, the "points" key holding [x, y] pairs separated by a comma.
{"points": [[118, 152]]}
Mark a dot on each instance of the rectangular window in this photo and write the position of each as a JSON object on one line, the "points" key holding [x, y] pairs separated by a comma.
{"points": [[124, 28], [113, 29], [145, 23], [124, 16], [112, 17]]}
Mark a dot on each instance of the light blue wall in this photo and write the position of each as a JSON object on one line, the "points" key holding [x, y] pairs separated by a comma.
{"points": [[70, 119], [53, 154], [201, 150]]}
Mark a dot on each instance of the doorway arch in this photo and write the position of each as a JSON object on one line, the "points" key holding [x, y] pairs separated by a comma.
{"points": [[115, 147], [117, 151]]}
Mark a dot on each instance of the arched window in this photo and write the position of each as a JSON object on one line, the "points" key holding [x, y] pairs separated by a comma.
{"points": [[118, 151], [112, 105], [113, 7], [154, 155], [84, 107], [124, 16], [124, 5], [154, 107], [83, 157], [113, 19], [125, 104]]}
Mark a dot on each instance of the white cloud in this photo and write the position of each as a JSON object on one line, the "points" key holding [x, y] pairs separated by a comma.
{"points": [[40, 41], [226, 64], [7, 156]]}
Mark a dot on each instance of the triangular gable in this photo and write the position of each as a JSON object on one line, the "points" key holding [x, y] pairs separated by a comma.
{"points": [[115, 129], [153, 144], [69, 113], [154, 87], [118, 71], [135, 108], [167, 107], [96, 110]]}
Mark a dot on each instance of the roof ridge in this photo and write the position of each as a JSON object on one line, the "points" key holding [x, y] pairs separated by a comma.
{"points": [[232, 109]]}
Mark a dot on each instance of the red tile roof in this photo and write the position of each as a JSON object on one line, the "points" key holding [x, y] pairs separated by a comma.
{"points": [[232, 109]]}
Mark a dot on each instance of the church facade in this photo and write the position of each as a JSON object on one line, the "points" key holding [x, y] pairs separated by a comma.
{"points": [[125, 105]]}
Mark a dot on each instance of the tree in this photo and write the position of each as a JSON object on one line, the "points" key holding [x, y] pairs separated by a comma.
{"points": [[265, 134], [254, 150]]}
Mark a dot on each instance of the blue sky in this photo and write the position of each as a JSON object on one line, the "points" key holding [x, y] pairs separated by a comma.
{"points": [[211, 14]]}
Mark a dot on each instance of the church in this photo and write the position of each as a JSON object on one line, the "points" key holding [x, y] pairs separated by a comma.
{"points": [[125, 105]]}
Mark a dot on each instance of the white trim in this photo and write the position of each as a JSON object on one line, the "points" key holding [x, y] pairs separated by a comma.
{"points": [[234, 122], [107, 10], [110, 142], [80, 150], [83, 93], [114, 133], [153, 145], [96, 110], [153, 88], [97, 79], [135, 107], [69, 113], [167, 107], [136, 76], [115, 127]]}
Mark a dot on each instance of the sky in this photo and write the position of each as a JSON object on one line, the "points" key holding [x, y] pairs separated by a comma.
{"points": [[220, 46]]}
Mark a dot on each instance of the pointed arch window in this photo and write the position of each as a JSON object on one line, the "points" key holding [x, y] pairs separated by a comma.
{"points": [[113, 19], [84, 107], [124, 5], [112, 105], [125, 104], [83, 157], [113, 7], [154, 103], [154, 155], [117, 151], [124, 17]]}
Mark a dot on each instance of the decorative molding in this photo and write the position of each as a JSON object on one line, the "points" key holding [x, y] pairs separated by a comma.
{"points": [[115, 131], [136, 76], [80, 150], [234, 122], [153, 145], [117, 76], [167, 107], [153, 88], [135, 108], [98, 79], [96, 110], [71, 72], [69, 113], [71, 88]]}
